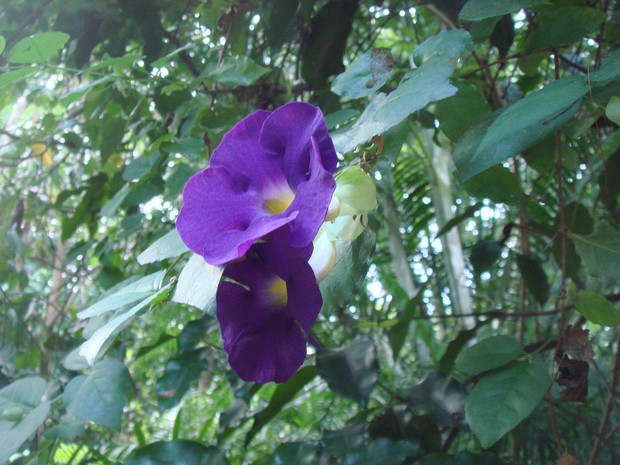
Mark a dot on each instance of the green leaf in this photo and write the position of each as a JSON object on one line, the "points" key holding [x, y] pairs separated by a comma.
{"points": [[15, 434], [168, 246], [484, 255], [2, 44], [445, 47], [457, 113], [383, 451], [11, 76], [323, 47], [190, 147], [426, 84], [365, 75], [508, 132], [534, 277], [475, 10], [99, 397], [92, 347], [282, 395], [299, 453], [340, 441], [562, 26], [597, 309], [350, 371], [356, 191], [492, 352], [440, 395], [464, 458], [343, 282], [502, 399], [600, 251], [26, 392], [69, 427], [608, 71], [37, 48], [496, 183], [181, 452], [613, 109], [126, 295], [237, 71], [197, 284]]}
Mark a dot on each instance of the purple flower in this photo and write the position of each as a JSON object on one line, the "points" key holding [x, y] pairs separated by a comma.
{"points": [[266, 304], [271, 169]]}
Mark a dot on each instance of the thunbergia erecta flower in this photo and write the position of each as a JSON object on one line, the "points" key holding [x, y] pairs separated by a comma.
{"points": [[271, 169], [266, 304]]}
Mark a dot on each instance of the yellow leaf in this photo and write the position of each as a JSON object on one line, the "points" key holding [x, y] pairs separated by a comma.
{"points": [[46, 158], [38, 148], [567, 459]]}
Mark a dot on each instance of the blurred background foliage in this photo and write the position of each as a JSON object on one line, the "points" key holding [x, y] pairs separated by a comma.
{"points": [[453, 329]]}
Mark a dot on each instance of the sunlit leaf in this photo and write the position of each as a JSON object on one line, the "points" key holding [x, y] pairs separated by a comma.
{"points": [[168, 246], [445, 47], [365, 75], [237, 71], [197, 284], [37, 48], [475, 10]]}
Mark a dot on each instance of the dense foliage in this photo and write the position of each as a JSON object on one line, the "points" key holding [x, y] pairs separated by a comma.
{"points": [[474, 320]]}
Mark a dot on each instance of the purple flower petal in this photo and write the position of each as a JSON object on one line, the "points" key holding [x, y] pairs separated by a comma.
{"points": [[264, 335], [271, 169]]}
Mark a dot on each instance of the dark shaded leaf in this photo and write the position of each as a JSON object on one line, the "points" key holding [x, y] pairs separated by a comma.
{"points": [[299, 453], [177, 453], [322, 50], [600, 251], [440, 395], [485, 254], [340, 441], [464, 458], [503, 35], [475, 10], [180, 371], [457, 113], [381, 452], [350, 371], [496, 183], [458, 219], [534, 277], [597, 309]]}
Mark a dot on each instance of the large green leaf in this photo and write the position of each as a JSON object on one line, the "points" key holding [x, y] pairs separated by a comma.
{"points": [[597, 309], [475, 10], [365, 75], [101, 395], [2, 44], [562, 26], [490, 353], [37, 48], [180, 452], [14, 434], [600, 251], [422, 86], [502, 399], [508, 132], [457, 113], [11, 76], [496, 183], [25, 392], [350, 371]]}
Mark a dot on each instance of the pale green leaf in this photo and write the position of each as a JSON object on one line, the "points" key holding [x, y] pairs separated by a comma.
{"points": [[198, 284], [37, 48], [500, 400], [600, 251], [168, 246], [425, 85], [2, 44], [356, 190], [126, 295], [14, 434], [237, 71], [613, 109], [11, 76], [365, 75], [445, 47]]}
